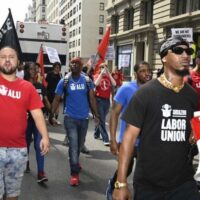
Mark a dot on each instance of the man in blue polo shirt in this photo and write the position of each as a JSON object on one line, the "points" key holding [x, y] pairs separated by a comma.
{"points": [[79, 96], [121, 99]]}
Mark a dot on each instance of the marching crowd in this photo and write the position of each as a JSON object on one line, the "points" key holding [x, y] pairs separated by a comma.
{"points": [[154, 117]]}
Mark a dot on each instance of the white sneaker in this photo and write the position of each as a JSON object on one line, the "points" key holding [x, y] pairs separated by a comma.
{"points": [[106, 144], [58, 122]]}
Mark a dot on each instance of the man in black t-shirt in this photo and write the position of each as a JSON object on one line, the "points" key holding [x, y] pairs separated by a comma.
{"points": [[160, 115]]}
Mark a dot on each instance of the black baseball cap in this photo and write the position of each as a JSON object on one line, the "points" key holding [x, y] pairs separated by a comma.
{"points": [[171, 42]]}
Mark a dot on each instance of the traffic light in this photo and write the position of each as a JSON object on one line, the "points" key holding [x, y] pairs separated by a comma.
{"points": [[21, 26], [64, 31]]}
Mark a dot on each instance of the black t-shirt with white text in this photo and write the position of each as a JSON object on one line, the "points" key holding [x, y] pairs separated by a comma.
{"points": [[164, 119]]}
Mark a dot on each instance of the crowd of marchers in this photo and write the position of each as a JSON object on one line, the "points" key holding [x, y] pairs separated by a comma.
{"points": [[158, 120]]}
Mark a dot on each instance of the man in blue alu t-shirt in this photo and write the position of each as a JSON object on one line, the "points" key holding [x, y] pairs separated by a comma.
{"points": [[121, 99], [76, 112]]}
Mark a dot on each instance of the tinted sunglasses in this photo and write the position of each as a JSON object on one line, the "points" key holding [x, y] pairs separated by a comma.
{"points": [[180, 50]]}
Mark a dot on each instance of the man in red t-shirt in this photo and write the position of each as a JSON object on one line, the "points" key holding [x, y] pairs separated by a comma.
{"points": [[194, 80], [104, 83], [17, 96]]}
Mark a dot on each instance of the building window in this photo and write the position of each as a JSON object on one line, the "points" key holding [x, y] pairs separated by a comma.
{"points": [[79, 30], [181, 7], [195, 5], [147, 10], [43, 2], [79, 42], [79, 18], [100, 30], [114, 24], [74, 10], [128, 18], [43, 9], [101, 18], [80, 6], [101, 6]]}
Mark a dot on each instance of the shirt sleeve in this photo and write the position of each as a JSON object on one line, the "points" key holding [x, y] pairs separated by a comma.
{"points": [[135, 112], [120, 96]]}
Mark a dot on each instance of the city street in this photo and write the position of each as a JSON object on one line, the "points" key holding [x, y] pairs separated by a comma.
{"points": [[98, 166]]}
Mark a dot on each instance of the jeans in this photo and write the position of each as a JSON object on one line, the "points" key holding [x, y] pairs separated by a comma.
{"points": [[32, 130], [186, 191], [103, 106], [76, 130]]}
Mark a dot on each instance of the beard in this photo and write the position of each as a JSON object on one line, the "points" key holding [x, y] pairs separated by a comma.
{"points": [[8, 71], [183, 72]]}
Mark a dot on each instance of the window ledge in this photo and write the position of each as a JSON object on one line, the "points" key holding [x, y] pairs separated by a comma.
{"points": [[187, 17], [134, 31]]}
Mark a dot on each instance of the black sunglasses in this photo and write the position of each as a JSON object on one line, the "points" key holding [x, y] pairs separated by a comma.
{"points": [[180, 50]]}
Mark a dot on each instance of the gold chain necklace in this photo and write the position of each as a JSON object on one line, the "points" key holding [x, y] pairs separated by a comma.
{"points": [[163, 80]]}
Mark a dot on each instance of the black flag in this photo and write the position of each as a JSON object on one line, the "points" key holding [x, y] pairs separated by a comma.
{"points": [[9, 36]]}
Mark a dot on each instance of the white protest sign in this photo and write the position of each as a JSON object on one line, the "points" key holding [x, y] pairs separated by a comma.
{"points": [[185, 33], [124, 60], [110, 53], [52, 54]]}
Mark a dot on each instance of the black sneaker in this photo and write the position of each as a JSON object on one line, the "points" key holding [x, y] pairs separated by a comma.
{"points": [[27, 170], [85, 150], [41, 177]]}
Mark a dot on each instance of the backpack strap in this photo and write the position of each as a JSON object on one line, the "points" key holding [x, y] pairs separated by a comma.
{"points": [[65, 86], [88, 82]]}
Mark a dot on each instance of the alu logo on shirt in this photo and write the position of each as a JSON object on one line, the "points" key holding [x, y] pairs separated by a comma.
{"points": [[197, 85], [4, 91], [173, 126], [77, 86], [105, 84]]}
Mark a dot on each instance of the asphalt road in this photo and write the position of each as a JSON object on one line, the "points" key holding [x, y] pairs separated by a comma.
{"points": [[98, 166]]}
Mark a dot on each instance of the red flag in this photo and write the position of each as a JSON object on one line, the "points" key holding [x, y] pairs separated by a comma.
{"points": [[40, 60], [102, 49]]}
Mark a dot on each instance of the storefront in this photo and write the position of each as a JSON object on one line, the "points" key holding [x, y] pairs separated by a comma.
{"points": [[124, 56]]}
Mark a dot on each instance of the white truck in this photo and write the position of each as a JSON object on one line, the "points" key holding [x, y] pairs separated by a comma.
{"points": [[34, 34]]}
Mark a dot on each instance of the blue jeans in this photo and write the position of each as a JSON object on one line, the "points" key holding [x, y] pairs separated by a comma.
{"points": [[76, 130], [33, 131], [103, 106]]}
